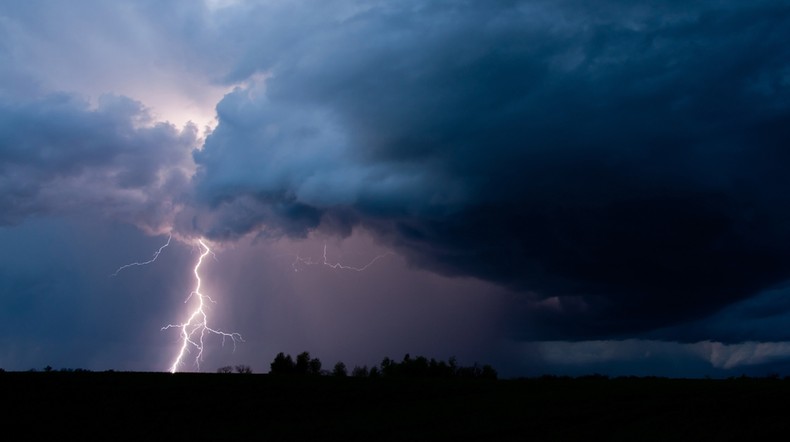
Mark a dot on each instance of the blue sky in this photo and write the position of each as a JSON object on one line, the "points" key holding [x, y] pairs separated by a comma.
{"points": [[554, 187]]}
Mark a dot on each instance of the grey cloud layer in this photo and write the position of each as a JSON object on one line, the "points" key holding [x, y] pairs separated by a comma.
{"points": [[59, 156], [628, 161], [625, 165]]}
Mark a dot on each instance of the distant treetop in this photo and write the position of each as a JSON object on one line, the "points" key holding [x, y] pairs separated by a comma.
{"points": [[419, 367]]}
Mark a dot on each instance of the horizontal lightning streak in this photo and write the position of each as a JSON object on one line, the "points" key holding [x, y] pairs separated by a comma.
{"points": [[309, 261]]}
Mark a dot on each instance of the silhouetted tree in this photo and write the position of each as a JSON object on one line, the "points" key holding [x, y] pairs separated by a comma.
{"points": [[360, 372], [243, 369], [225, 369], [340, 370], [468, 372], [596, 377], [302, 362], [304, 365], [489, 373], [453, 364], [439, 369], [388, 367], [477, 372], [282, 364], [314, 367], [421, 367]]}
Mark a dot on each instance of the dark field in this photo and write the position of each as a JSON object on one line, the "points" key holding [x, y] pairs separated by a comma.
{"points": [[154, 406]]}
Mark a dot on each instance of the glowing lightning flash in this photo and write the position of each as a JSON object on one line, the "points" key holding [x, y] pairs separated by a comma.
{"points": [[194, 330], [156, 255], [337, 265]]}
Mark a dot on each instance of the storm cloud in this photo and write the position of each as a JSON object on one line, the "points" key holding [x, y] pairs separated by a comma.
{"points": [[553, 182], [60, 156], [625, 165]]}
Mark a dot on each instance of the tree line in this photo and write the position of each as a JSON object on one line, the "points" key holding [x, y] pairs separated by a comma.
{"points": [[306, 365], [408, 367]]}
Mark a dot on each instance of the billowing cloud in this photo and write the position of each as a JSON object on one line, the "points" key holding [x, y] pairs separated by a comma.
{"points": [[60, 156], [623, 164]]}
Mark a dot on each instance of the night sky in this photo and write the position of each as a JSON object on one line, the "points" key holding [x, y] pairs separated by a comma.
{"points": [[561, 187]]}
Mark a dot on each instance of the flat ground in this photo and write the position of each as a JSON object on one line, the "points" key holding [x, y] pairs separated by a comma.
{"points": [[155, 406]]}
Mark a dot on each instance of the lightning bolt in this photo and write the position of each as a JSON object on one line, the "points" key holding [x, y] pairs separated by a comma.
{"points": [[195, 328], [156, 255], [309, 261]]}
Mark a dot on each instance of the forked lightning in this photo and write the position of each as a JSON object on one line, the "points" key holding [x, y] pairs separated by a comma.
{"points": [[196, 327]]}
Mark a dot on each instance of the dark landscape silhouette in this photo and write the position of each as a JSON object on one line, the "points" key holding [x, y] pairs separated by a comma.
{"points": [[414, 399]]}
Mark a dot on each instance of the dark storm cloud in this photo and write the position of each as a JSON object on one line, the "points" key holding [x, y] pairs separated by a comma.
{"points": [[58, 155], [626, 164], [760, 318]]}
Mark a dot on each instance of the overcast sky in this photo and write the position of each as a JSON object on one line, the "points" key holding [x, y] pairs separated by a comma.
{"points": [[545, 186]]}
